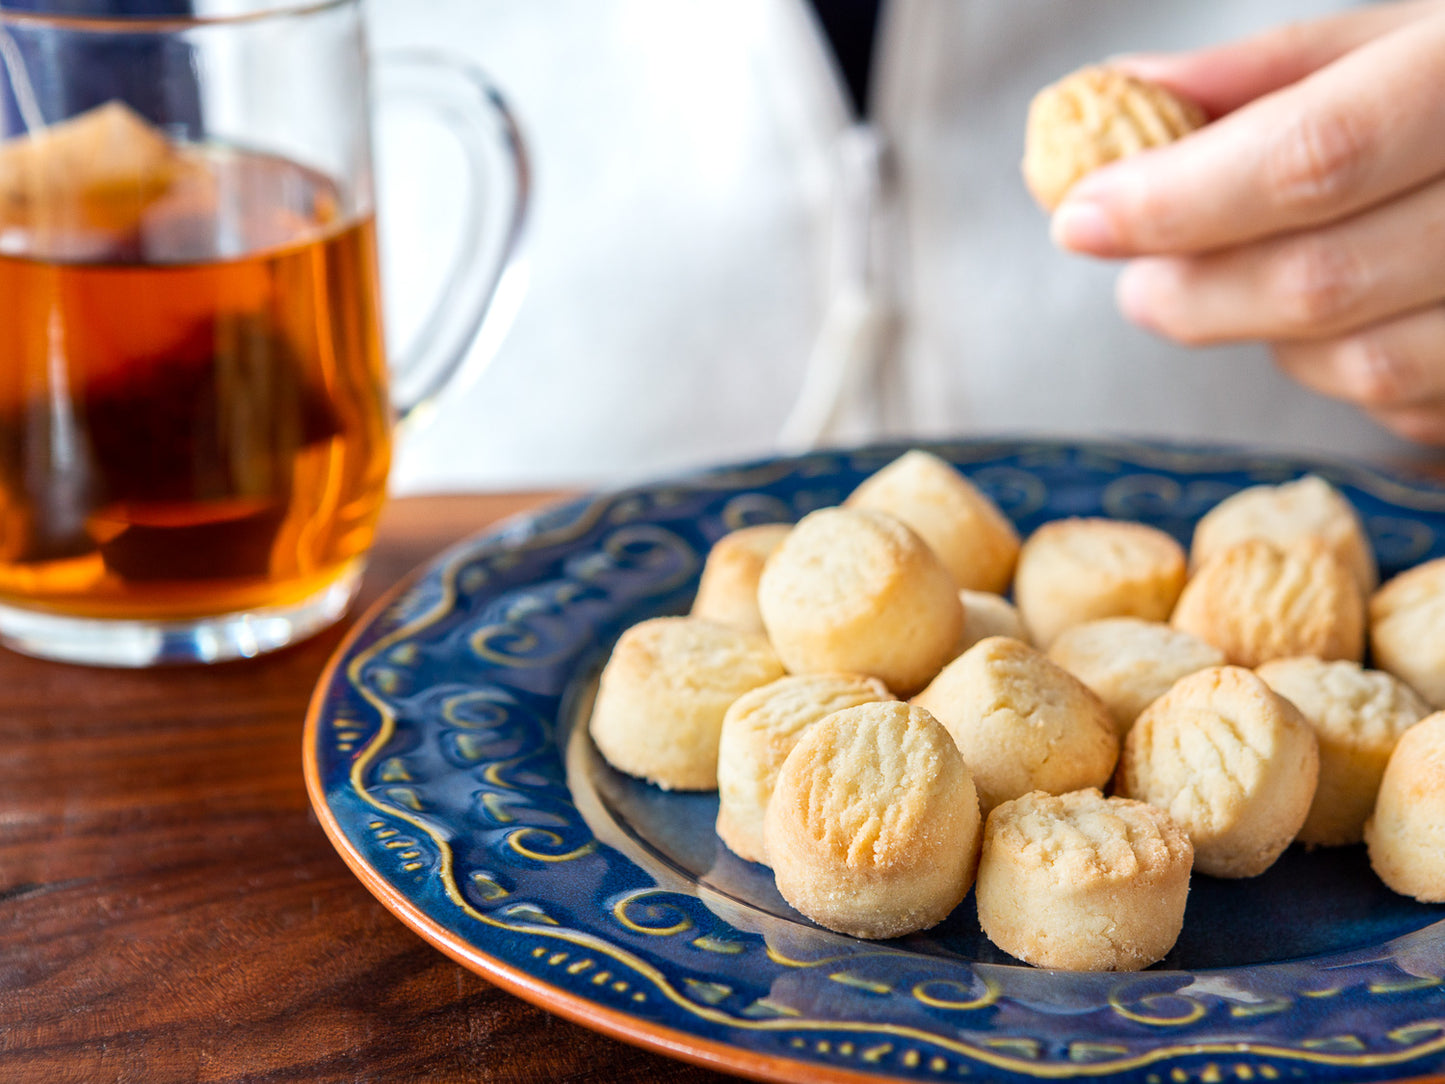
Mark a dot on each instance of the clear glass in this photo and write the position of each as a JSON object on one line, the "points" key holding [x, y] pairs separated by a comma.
{"points": [[196, 413]]}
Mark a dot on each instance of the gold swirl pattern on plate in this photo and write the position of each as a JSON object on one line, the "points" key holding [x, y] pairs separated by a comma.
{"points": [[535, 630], [925, 992], [1156, 1011], [597, 959], [748, 509], [656, 918], [1016, 491], [549, 839]]}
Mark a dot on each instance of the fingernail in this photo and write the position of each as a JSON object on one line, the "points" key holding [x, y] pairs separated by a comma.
{"points": [[1083, 226], [1135, 291], [1140, 63]]}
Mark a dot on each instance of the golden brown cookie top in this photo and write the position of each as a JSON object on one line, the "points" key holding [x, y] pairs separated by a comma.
{"points": [[1092, 117], [972, 537], [1285, 514], [1420, 588], [1084, 836], [694, 655], [867, 784], [1258, 601], [1208, 743], [1345, 702], [841, 558]]}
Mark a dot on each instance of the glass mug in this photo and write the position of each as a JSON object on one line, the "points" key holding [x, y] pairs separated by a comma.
{"points": [[196, 413]]}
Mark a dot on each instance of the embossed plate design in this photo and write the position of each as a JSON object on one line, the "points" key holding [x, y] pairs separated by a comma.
{"points": [[447, 757]]}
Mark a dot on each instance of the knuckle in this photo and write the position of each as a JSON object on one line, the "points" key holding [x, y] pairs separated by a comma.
{"points": [[1187, 333], [1161, 226], [1178, 324], [1156, 218], [1317, 158], [1377, 376], [1316, 282], [1298, 361]]}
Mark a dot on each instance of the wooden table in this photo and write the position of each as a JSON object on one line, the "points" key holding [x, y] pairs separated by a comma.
{"points": [[171, 911]]}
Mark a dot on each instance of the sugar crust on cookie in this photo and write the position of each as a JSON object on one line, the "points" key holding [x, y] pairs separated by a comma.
{"points": [[1234, 763], [1082, 569], [874, 827], [976, 542], [856, 590], [760, 729], [1358, 715], [1021, 722], [1257, 601], [1129, 662]]}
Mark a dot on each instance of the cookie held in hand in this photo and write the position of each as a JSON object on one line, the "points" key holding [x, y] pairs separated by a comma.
{"points": [[1091, 118]]}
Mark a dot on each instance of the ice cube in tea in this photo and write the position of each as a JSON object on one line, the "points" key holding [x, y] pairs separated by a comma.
{"points": [[94, 173], [193, 418]]}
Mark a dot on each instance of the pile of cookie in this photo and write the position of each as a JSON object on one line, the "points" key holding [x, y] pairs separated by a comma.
{"points": [[886, 729]]}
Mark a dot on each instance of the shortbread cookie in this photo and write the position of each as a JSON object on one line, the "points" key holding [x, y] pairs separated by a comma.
{"points": [[663, 694], [976, 542], [1076, 570], [855, 590], [1233, 762], [874, 828], [1256, 601], [986, 614], [1407, 629], [1284, 514], [1021, 722], [1082, 882], [1091, 118], [759, 731], [1129, 663], [1406, 833], [728, 590], [1358, 716]]}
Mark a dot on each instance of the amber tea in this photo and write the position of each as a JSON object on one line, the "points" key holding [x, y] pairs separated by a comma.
{"points": [[193, 396], [195, 413]]}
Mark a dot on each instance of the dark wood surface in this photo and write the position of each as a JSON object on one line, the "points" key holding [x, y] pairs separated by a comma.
{"points": [[170, 909]]}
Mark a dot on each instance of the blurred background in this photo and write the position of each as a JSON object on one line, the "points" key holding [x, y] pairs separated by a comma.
{"points": [[764, 225], [677, 245], [723, 263]]}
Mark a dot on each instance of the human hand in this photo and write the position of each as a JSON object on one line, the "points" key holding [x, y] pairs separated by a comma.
{"points": [[1310, 215]]}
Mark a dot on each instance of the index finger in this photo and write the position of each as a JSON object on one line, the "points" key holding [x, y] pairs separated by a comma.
{"points": [[1344, 138], [1222, 78]]}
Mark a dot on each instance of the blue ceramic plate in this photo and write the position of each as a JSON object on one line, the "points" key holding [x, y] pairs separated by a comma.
{"points": [[448, 757]]}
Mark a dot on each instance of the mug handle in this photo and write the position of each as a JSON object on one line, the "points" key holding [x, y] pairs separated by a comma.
{"points": [[485, 285]]}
